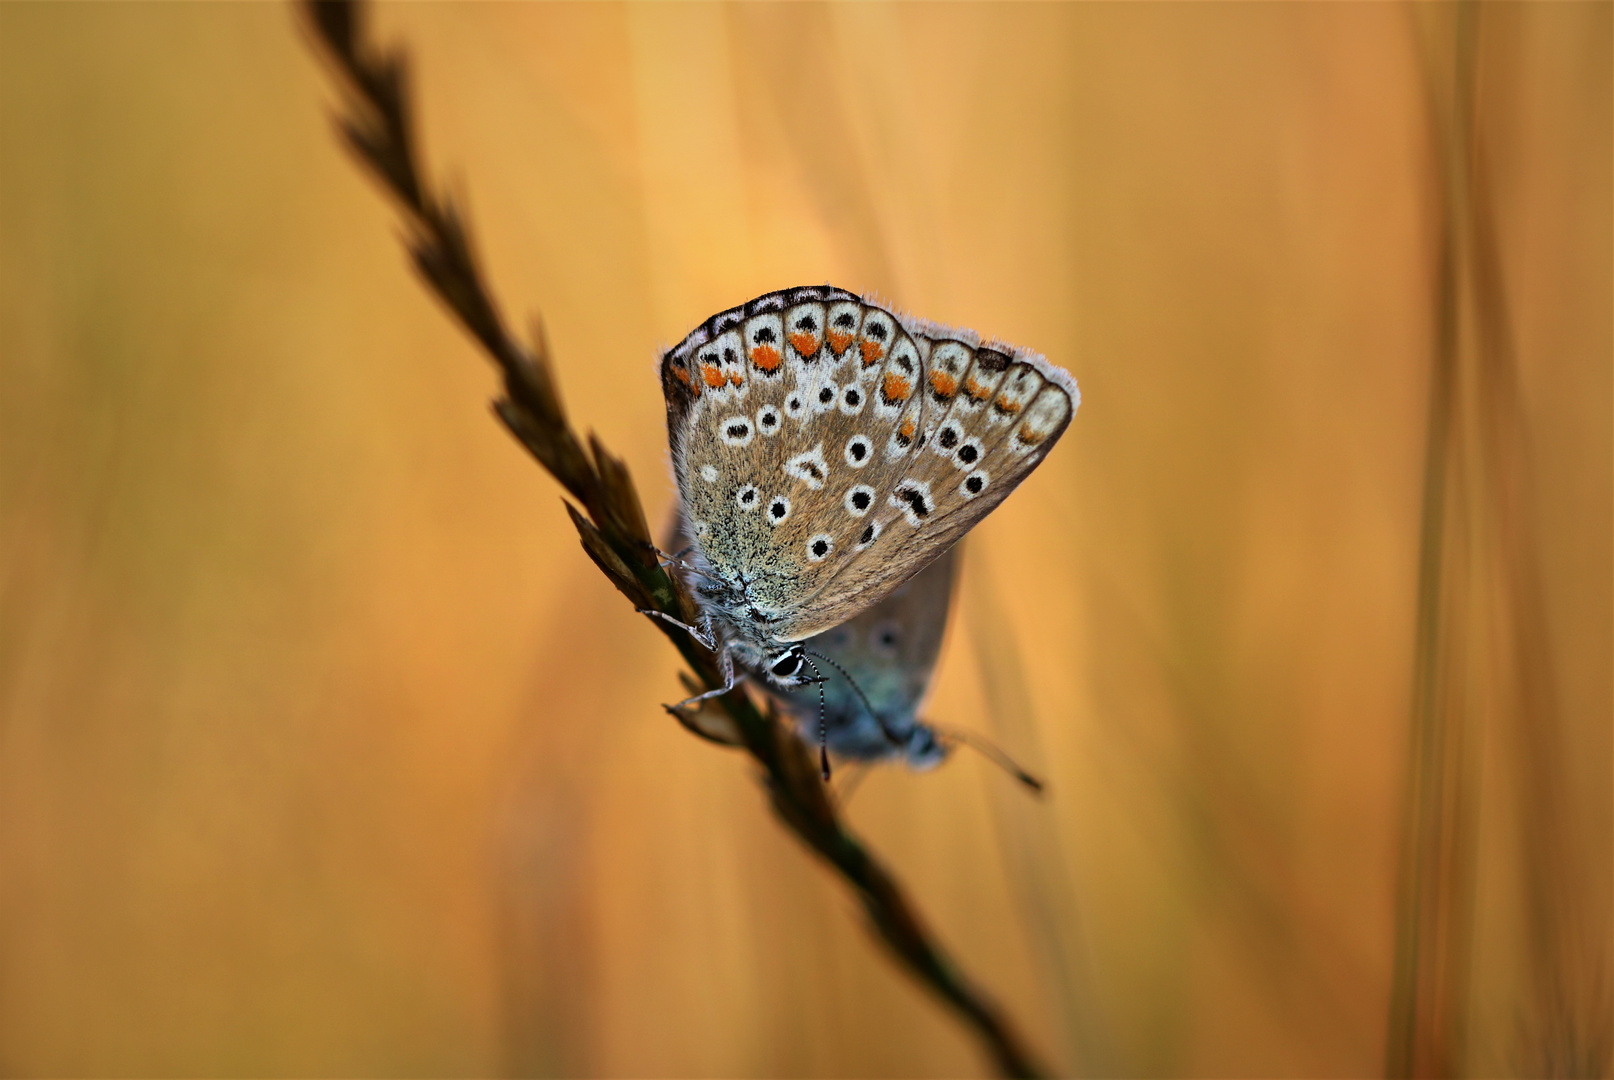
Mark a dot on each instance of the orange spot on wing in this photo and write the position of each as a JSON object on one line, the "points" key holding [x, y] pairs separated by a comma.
{"points": [[1030, 437], [839, 341], [872, 351], [681, 373], [804, 344], [976, 390], [1003, 404], [736, 378], [766, 357], [943, 383], [713, 376], [895, 389], [907, 428]]}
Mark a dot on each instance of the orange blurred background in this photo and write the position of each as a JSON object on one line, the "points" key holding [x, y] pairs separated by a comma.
{"points": [[325, 751]]}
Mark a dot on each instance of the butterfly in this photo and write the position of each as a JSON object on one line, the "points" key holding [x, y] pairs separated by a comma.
{"points": [[827, 450]]}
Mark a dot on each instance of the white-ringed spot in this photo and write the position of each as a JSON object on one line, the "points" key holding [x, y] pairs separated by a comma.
{"points": [[768, 419], [974, 483], [809, 467], [778, 509], [747, 497], [819, 547], [859, 499], [794, 406], [948, 438], [967, 454], [912, 497], [736, 431], [852, 399], [859, 452], [871, 533]]}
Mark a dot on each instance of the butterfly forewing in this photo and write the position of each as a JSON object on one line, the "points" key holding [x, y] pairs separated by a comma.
{"points": [[984, 419], [827, 450]]}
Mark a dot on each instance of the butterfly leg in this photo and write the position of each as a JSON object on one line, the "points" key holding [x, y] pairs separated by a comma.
{"points": [[676, 558], [703, 634], [725, 663]]}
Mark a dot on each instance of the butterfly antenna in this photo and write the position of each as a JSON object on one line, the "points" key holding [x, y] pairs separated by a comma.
{"points": [[823, 722], [867, 704], [990, 750]]}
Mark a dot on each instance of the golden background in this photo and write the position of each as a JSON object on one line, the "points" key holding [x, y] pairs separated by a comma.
{"points": [[324, 749]]}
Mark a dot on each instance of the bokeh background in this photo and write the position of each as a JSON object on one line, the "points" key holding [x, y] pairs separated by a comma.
{"points": [[325, 751]]}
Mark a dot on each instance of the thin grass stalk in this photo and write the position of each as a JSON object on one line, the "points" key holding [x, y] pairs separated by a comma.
{"points": [[1428, 1001], [1567, 1030], [1483, 652], [374, 121]]}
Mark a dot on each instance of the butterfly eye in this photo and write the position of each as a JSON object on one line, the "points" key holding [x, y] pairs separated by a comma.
{"points": [[786, 666]]}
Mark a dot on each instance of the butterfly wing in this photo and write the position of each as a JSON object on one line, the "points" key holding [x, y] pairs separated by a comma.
{"points": [[777, 414], [826, 451], [987, 417], [889, 652]]}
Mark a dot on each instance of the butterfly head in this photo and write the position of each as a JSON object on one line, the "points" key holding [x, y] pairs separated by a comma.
{"points": [[789, 668]]}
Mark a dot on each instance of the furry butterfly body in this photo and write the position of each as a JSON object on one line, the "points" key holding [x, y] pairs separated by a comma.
{"points": [[827, 450]]}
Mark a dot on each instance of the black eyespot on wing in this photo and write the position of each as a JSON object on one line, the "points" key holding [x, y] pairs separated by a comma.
{"points": [[876, 331], [975, 484], [738, 430], [765, 335], [867, 537], [846, 320], [748, 496], [967, 453], [820, 548], [990, 360], [888, 638], [948, 437], [853, 397], [826, 395], [778, 510], [728, 357], [915, 498], [709, 358], [902, 361], [858, 450], [861, 500], [807, 323]]}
